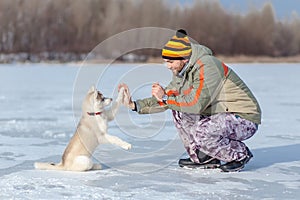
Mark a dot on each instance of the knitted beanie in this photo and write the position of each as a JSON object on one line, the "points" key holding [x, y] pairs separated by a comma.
{"points": [[178, 47]]}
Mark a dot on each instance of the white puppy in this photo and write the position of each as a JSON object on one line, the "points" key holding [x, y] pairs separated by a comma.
{"points": [[91, 131]]}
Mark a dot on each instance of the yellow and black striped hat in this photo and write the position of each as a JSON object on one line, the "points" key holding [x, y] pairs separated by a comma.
{"points": [[178, 47]]}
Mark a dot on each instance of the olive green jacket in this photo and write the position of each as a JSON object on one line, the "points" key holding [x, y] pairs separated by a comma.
{"points": [[206, 87]]}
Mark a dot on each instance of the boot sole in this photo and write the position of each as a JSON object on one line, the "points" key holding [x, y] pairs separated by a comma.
{"points": [[232, 170], [238, 168], [208, 166]]}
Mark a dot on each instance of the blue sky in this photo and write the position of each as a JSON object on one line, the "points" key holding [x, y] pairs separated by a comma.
{"points": [[283, 8]]}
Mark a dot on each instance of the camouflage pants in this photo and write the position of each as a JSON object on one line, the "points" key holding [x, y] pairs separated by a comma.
{"points": [[219, 136]]}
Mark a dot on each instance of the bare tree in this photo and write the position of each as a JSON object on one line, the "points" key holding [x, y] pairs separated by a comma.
{"points": [[77, 26]]}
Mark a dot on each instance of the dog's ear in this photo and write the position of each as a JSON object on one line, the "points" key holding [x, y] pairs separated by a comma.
{"points": [[92, 89], [95, 94]]}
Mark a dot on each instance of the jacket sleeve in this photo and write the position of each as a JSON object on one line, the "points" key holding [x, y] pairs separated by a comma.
{"points": [[150, 105], [207, 79]]}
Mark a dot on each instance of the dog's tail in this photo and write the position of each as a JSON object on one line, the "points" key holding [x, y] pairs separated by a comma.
{"points": [[48, 166]]}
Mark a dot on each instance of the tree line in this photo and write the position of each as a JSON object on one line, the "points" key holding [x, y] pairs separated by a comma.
{"points": [[77, 26]]}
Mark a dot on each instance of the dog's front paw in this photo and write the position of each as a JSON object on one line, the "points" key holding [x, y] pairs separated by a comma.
{"points": [[126, 146], [120, 97]]}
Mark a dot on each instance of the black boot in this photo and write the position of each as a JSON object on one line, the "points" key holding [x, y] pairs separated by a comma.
{"points": [[235, 166], [206, 162]]}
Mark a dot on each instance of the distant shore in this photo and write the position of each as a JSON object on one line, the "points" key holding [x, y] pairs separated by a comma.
{"points": [[249, 59], [77, 58], [259, 59]]}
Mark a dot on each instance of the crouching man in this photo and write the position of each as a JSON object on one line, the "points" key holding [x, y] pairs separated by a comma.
{"points": [[213, 109]]}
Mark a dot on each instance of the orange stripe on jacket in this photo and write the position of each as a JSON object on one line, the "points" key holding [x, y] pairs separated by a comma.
{"points": [[172, 93], [198, 92], [225, 69], [187, 91], [161, 103]]}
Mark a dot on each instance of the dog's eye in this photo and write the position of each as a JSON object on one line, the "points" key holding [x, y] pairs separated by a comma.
{"points": [[99, 96]]}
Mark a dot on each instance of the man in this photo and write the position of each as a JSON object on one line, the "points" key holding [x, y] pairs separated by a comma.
{"points": [[213, 109]]}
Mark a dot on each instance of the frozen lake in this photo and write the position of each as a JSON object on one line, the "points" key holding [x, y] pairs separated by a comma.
{"points": [[40, 106]]}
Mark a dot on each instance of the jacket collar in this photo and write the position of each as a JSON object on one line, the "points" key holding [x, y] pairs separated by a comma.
{"points": [[181, 73], [198, 51]]}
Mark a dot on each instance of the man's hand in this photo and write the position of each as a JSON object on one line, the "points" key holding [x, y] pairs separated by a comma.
{"points": [[158, 91], [127, 101]]}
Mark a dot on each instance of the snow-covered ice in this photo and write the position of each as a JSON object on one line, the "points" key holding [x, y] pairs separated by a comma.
{"points": [[37, 120]]}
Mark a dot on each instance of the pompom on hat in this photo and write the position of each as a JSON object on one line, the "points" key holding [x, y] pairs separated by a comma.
{"points": [[178, 47]]}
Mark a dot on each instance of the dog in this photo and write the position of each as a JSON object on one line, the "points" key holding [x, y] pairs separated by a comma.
{"points": [[91, 131]]}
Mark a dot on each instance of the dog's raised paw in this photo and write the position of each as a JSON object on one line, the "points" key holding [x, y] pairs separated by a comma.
{"points": [[120, 97], [127, 146]]}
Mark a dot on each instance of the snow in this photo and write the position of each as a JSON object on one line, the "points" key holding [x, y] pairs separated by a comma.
{"points": [[37, 121]]}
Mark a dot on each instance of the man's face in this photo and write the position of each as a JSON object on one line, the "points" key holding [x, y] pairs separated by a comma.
{"points": [[175, 65]]}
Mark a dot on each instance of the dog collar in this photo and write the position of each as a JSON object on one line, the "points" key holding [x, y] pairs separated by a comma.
{"points": [[93, 114]]}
